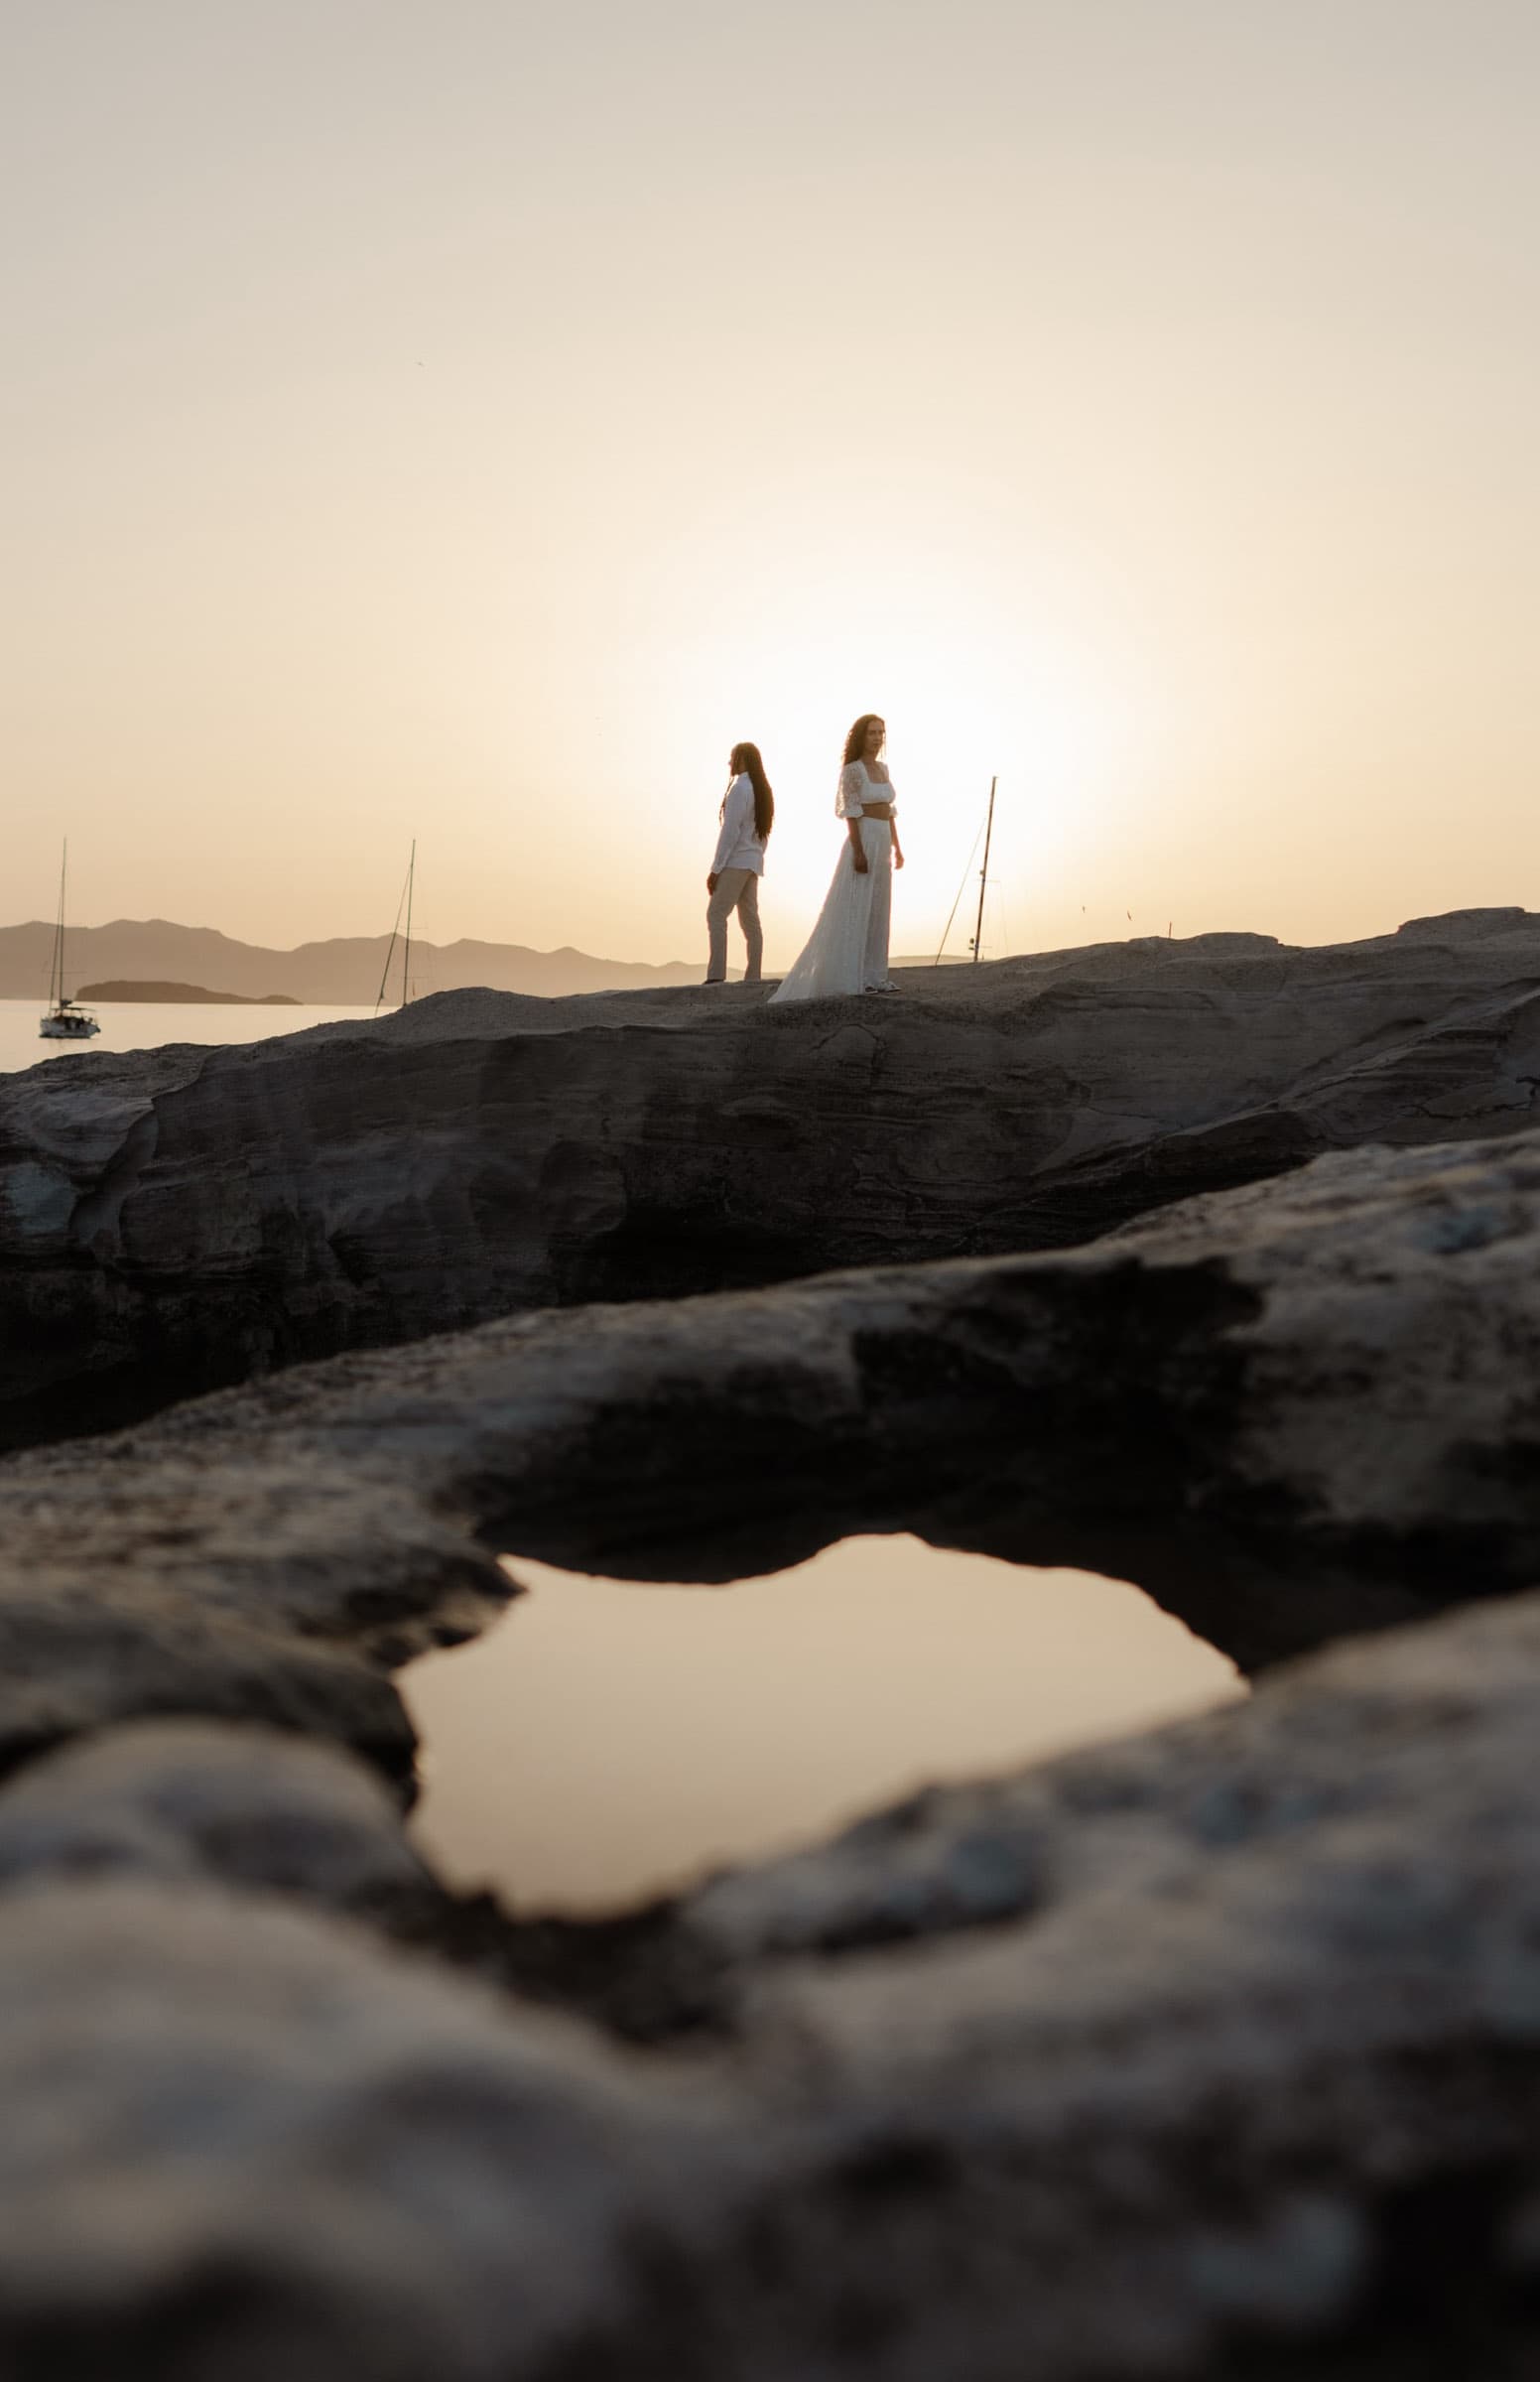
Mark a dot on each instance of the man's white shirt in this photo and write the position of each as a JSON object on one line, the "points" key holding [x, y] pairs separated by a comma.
{"points": [[738, 846]]}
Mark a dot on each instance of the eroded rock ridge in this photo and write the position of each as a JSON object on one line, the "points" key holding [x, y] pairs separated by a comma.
{"points": [[181, 1220]]}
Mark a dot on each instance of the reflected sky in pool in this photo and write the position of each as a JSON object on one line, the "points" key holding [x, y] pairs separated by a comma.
{"points": [[609, 1740]]}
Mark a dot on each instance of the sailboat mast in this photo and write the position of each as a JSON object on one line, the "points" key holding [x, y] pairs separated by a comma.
{"points": [[56, 989], [406, 957], [983, 873]]}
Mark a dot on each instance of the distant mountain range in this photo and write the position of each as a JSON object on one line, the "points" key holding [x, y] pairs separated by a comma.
{"points": [[342, 971]]}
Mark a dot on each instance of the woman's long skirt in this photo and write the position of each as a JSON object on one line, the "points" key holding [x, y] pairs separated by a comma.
{"points": [[848, 949]]}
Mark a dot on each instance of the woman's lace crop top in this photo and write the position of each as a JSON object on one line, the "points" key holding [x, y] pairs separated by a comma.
{"points": [[856, 789]]}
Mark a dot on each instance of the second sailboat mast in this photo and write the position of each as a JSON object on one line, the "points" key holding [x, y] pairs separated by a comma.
{"points": [[406, 956], [56, 987], [983, 873]]}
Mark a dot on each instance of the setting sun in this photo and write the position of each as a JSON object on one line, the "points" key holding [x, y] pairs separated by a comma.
{"points": [[796, 631], [438, 490]]}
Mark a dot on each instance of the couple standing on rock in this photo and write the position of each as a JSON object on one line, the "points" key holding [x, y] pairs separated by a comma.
{"points": [[848, 949]]}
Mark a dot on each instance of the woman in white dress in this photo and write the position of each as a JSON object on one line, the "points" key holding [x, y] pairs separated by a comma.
{"points": [[848, 949]]}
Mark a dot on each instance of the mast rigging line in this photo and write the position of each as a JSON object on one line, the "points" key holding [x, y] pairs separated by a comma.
{"points": [[951, 913], [984, 823], [405, 903]]}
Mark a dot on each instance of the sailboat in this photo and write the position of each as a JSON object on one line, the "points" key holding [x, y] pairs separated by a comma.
{"points": [[65, 1020]]}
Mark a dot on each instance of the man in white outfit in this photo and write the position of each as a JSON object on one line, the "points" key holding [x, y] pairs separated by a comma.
{"points": [[733, 879]]}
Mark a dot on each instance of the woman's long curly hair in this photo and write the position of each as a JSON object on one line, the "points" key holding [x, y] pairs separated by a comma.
{"points": [[745, 762], [856, 742]]}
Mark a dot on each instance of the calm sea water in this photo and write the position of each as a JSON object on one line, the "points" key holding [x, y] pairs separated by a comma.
{"points": [[608, 1741], [145, 1025]]}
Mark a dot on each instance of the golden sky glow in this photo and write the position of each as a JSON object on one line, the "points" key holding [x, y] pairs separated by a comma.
{"points": [[466, 421]]}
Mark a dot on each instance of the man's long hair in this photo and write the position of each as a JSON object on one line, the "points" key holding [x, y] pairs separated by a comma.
{"points": [[745, 762], [856, 742]]}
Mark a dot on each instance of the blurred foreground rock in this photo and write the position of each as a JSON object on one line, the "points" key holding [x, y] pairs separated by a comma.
{"points": [[188, 1802], [1248, 2083]]}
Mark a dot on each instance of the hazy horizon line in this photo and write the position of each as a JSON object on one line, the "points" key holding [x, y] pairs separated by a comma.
{"points": [[574, 949]]}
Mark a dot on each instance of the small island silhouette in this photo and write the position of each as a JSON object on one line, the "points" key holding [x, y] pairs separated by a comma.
{"points": [[122, 990]]}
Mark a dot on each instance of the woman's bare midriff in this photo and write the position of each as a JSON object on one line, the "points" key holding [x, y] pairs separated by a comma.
{"points": [[876, 810]]}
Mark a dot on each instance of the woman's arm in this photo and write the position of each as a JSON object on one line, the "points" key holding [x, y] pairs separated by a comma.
{"points": [[847, 803]]}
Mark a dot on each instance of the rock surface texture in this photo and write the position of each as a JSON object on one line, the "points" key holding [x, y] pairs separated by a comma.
{"points": [[1212, 2056], [189, 1801], [1302, 1408], [185, 1218]]}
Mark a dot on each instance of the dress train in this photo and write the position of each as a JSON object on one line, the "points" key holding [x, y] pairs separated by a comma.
{"points": [[848, 949]]}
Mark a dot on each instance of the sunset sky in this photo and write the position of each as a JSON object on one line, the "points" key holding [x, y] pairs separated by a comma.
{"points": [[465, 421]]}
